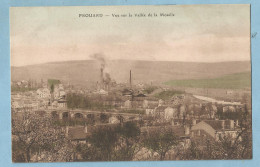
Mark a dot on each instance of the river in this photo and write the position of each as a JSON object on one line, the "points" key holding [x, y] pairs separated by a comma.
{"points": [[208, 99]]}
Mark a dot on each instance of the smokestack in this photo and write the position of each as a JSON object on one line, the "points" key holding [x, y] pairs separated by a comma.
{"points": [[101, 75], [130, 79]]}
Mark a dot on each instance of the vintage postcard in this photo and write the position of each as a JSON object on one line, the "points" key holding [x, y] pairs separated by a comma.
{"points": [[131, 83]]}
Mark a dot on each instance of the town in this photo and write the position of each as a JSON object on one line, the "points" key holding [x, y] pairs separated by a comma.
{"points": [[126, 121]]}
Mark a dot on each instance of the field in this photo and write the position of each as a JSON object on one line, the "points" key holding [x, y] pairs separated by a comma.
{"points": [[232, 81]]}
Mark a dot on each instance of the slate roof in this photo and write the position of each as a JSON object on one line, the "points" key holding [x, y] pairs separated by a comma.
{"points": [[161, 108], [140, 95], [126, 92], [215, 124], [77, 133]]}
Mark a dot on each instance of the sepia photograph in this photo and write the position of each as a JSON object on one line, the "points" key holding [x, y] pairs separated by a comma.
{"points": [[131, 83]]}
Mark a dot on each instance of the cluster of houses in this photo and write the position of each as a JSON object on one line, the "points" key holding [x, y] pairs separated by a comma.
{"points": [[27, 84], [185, 115], [196, 118], [22, 83], [200, 131], [26, 101], [189, 119], [42, 98]]}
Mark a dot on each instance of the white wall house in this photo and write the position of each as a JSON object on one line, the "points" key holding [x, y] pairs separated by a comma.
{"points": [[43, 93]]}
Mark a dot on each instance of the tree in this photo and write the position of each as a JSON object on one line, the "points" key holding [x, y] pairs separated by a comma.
{"points": [[104, 118], [103, 140], [192, 153], [117, 143], [52, 88], [34, 135], [228, 147], [129, 135], [161, 141]]}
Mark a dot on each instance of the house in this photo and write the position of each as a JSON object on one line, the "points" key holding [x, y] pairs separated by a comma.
{"points": [[160, 112], [62, 93], [150, 112], [182, 111], [215, 129], [54, 104], [176, 122], [80, 134], [127, 92], [160, 102], [43, 93], [19, 83], [59, 91], [113, 120], [16, 105], [61, 86], [128, 104], [150, 103], [56, 93], [62, 103], [229, 109], [77, 134], [140, 95], [145, 104], [170, 112], [101, 92]]}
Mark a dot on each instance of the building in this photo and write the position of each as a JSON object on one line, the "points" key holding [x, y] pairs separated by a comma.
{"points": [[79, 134], [128, 104], [150, 103], [62, 103], [160, 112], [170, 113], [215, 129], [150, 112], [113, 120], [43, 93]]}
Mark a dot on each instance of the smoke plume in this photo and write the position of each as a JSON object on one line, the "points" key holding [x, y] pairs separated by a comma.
{"points": [[100, 58]]}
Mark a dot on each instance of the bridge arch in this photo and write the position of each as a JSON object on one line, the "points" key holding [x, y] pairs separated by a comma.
{"points": [[54, 114], [65, 115], [78, 115], [104, 118]]}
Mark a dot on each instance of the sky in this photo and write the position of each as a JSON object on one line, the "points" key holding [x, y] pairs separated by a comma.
{"points": [[196, 33]]}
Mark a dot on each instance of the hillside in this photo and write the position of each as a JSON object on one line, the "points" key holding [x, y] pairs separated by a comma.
{"points": [[88, 71], [231, 81]]}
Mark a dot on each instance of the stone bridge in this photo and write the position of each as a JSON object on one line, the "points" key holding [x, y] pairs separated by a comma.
{"points": [[92, 115]]}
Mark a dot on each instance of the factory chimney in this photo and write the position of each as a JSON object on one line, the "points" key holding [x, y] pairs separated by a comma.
{"points": [[102, 76], [130, 79]]}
